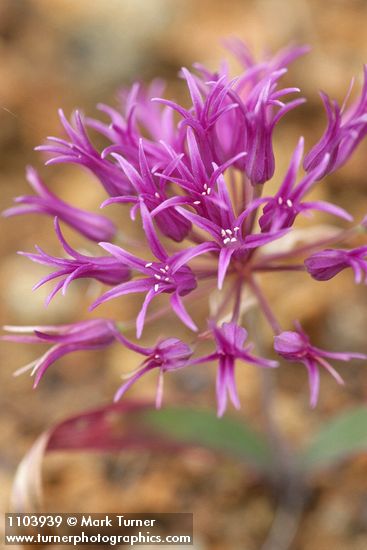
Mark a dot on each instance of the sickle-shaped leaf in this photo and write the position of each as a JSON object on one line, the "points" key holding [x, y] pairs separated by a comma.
{"points": [[120, 426], [342, 437]]}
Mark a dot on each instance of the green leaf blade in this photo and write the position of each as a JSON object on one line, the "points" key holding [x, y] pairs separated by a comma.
{"points": [[343, 436], [201, 427]]}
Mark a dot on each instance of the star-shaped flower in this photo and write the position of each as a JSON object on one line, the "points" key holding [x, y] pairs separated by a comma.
{"points": [[296, 346], [230, 339]]}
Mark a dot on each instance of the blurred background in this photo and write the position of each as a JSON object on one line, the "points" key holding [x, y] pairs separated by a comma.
{"points": [[75, 54]]}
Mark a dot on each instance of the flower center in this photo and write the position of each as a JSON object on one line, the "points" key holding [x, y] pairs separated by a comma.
{"points": [[206, 190], [288, 202], [160, 274], [229, 235]]}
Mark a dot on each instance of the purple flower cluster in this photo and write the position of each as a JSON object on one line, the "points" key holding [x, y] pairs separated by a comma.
{"points": [[194, 179]]}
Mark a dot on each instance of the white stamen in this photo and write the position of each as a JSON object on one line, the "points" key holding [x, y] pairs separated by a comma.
{"points": [[149, 264], [207, 190], [229, 232], [166, 267], [289, 203], [235, 229], [156, 287], [157, 276], [156, 356], [162, 270], [223, 233], [226, 240], [196, 202], [166, 279], [156, 194], [280, 200], [233, 240]]}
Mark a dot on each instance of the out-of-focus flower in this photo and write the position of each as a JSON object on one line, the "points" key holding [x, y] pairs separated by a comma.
{"points": [[92, 226], [105, 269], [138, 117], [296, 346], [324, 265], [257, 69], [167, 355], [86, 335], [80, 150], [345, 129], [230, 339]]}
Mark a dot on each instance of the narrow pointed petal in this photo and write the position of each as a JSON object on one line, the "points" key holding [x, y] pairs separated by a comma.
{"points": [[201, 222], [221, 389], [291, 175], [123, 389], [125, 257], [180, 310], [142, 313], [183, 257], [314, 381], [159, 392], [231, 383], [151, 234], [120, 290], [328, 208], [225, 256]]}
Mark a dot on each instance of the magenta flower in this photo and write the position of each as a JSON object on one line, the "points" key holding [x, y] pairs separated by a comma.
{"points": [[105, 269], [210, 101], [79, 150], [193, 175], [257, 70], [92, 226], [150, 191], [138, 118], [168, 275], [237, 116], [261, 109], [86, 335], [345, 129], [167, 355], [249, 127], [230, 339], [230, 239], [324, 265], [296, 346], [281, 210], [198, 184]]}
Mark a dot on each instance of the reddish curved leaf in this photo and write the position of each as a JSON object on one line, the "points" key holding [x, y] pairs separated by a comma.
{"points": [[111, 428], [136, 425]]}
